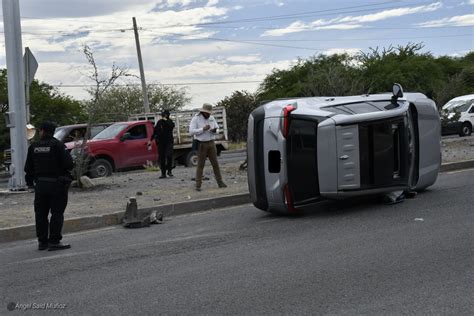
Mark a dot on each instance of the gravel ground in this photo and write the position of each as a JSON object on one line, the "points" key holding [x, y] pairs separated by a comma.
{"points": [[111, 194], [457, 148]]}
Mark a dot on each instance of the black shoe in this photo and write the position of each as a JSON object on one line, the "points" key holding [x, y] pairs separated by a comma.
{"points": [[42, 246], [170, 174], [198, 189], [58, 246], [163, 176], [222, 185]]}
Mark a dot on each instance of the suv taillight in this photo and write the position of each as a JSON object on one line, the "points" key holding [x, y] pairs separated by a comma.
{"points": [[285, 126], [288, 199]]}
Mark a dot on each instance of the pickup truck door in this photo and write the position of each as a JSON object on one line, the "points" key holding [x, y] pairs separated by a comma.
{"points": [[134, 150]]}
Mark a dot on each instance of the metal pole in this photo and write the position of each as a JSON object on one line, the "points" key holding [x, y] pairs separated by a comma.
{"points": [[16, 92], [140, 64], [27, 85]]}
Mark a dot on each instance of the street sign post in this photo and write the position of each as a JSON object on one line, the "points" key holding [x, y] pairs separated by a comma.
{"points": [[31, 65]]}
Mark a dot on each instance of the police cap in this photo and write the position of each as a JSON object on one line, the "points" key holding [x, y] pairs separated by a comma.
{"points": [[48, 127]]}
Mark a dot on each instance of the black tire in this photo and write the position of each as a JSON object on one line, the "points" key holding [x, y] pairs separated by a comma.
{"points": [[100, 168], [191, 159], [466, 129]]}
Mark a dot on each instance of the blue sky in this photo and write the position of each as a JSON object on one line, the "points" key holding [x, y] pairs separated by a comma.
{"points": [[214, 47]]}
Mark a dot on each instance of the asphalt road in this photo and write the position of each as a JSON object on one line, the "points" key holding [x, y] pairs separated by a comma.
{"points": [[351, 258]]}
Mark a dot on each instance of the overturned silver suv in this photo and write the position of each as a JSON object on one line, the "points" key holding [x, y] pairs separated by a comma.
{"points": [[304, 150]]}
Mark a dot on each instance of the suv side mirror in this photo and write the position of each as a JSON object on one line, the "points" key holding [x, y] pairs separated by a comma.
{"points": [[397, 90], [125, 136]]}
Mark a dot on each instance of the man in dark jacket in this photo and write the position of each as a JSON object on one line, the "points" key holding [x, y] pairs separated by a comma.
{"points": [[47, 168], [163, 135]]}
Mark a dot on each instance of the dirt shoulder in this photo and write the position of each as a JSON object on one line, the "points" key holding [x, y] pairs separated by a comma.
{"points": [[111, 194]]}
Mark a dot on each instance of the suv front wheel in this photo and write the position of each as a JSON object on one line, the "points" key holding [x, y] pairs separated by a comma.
{"points": [[100, 168]]}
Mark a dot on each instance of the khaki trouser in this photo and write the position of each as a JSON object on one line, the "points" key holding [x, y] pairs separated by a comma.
{"points": [[207, 149]]}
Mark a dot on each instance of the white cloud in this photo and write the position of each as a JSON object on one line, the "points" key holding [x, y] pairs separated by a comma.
{"points": [[392, 13], [212, 3], [351, 22], [349, 51], [460, 20], [245, 59]]}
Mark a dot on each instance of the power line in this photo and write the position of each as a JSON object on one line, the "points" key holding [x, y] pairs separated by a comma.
{"points": [[263, 18], [158, 84], [296, 14]]}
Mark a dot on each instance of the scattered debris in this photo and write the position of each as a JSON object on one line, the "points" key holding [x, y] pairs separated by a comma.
{"points": [[139, 193], [134, 218]]}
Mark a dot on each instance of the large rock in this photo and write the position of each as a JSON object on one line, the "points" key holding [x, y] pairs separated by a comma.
{"points": [[87, 182]]}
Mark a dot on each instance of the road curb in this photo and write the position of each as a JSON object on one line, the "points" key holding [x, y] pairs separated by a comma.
{"points": [[452, 166], [94, 222]]}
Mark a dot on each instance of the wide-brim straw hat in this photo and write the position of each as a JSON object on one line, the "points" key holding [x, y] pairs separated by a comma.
{"points": [[206, 108]]}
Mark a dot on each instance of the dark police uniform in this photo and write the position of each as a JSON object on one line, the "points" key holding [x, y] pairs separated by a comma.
{"points": [[163, 135], [47, 167]]}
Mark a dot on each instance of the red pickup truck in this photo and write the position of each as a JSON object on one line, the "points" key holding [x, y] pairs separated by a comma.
{"points": [[121, 145]]}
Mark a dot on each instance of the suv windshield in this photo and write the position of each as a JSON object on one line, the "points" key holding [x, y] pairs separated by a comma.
{"points": [[111, 131], [458, 106]]}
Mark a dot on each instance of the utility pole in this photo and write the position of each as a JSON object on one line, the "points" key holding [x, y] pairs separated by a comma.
{"points": [[16, 115], [140, 64]]}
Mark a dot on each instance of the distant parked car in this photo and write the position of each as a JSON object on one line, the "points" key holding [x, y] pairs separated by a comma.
{"points": [[119, 146], [304, 150], [463, 105], [65, 134], [69, 133]]}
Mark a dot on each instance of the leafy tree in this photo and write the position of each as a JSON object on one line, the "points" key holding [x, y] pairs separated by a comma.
{"points": [[415, 71], [118, 102], [320, 75], [440, 78], [238, 108], [49, 104], [46, 104]]}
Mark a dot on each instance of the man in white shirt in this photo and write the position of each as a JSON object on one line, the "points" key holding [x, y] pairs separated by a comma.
{"points": [[204, 128]]}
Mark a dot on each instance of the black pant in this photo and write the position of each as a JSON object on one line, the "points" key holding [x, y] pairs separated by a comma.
{"points": [[50, 196], [165, 153]]}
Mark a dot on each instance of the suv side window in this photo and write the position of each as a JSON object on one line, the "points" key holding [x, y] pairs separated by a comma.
{"points": [[97, 129], [472, 107], [75, 134], [138, 132]]}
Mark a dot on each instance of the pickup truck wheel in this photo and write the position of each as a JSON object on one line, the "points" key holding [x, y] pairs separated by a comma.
{"points": [[191, 159], [100, 168], [466, 130]]}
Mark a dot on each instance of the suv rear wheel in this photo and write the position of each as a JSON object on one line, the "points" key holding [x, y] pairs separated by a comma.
{"points": [[466, 129], [100, 168]]}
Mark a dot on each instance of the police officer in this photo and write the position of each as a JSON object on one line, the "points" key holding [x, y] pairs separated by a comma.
{"points": [[163, 135], [48, 166]]}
